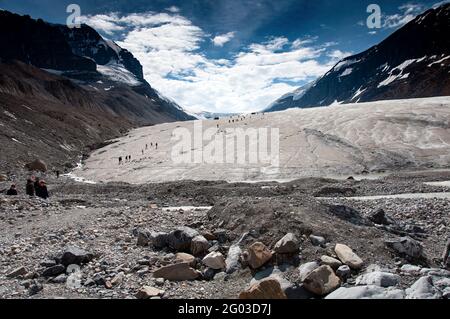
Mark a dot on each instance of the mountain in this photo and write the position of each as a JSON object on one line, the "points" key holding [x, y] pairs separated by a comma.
{"points": [[63, 91], [413, 62]]}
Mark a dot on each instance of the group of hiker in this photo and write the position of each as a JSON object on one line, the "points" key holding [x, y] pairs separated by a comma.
{"points": [[35, 187], [128, 158]]}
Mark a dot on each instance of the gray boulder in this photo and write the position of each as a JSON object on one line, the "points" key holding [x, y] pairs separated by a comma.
{"points": [[406, 247], [366, 292], [75, 256], [378, 278], [289, 244], [181, 239], [423, 289]]}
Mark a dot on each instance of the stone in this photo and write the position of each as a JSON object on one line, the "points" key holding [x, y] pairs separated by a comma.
{"points": [[177, 272], [35, 288], [317, 240], [61, 279], [143, 238], [268, 289], [410, 269], [214, 260], [209, 236], [232, 262], [160, 282], [180, 239], [348, 257], [406, 247], [289, 244], [322, 281], [330, 261], [208, 274], [3, 178], [378, 278], [148, 292], [185, 258], [306, 269], [18, 272], [379, 217], [199, 245], [54, 271], [158, 239], [48, 263], [258, 255], [118, 279], [366, 292], [37, 166], [423, 289], [344, 272], [75, 256]]}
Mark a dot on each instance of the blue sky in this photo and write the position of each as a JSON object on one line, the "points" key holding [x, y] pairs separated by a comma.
{"points": [[232, 55]]}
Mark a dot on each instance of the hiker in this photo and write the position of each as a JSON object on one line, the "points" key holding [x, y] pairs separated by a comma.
{"points": [[57, 174], [146, 146], [142, 152], [42, 191], [30, 187], [446, 256], [156, 145], [12, 191], [120, 160]]}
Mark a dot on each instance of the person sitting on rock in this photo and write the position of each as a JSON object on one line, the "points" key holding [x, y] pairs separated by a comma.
{"points": [[42, 191], [30, 187], [12, 191]]}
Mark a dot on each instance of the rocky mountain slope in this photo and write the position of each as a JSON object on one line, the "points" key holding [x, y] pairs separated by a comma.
{"points": [[62, 90], [413, 62]]}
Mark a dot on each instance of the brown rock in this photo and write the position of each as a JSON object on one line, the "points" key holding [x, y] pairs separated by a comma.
{"points": [[258, 255], [185, 258], [21, 271], [148, 292], [330, 261], [322, 281], [3, 178], [177, 272], [37, 165], [199, 245], [348, 257], [265, 289]]}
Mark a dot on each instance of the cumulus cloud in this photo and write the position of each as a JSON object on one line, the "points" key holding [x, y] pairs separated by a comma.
{"points": [[173, 9], [168, 45], [408, 12], [220, 40]]}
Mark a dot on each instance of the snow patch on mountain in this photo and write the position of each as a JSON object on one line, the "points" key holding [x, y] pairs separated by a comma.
{"points": [[118, 73]]}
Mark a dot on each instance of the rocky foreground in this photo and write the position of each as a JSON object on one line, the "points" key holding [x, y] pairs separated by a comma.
{"points": [[299, 240]]}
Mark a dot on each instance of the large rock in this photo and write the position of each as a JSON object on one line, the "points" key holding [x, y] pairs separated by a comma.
{"points": [[54, 271], [379, 217], [322, 281], [406, 247], [199, 245], [366, 292], [344, 272], [36, 166], [75, 256], [305, 269], [378, 278], [3, 178], [266, 289], [18, 272], [317, 240], [181, 239], [214, 260], [330, 261], [177, 272], [185, 258], [148, 292], [289, 244], [232, 262], [348, 257], [423, 289], [258, 255]]}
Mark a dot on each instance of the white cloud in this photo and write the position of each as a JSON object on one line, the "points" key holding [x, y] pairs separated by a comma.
{"points": [[168, 47], [408, 12], [221, 40], [173, 9]]}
